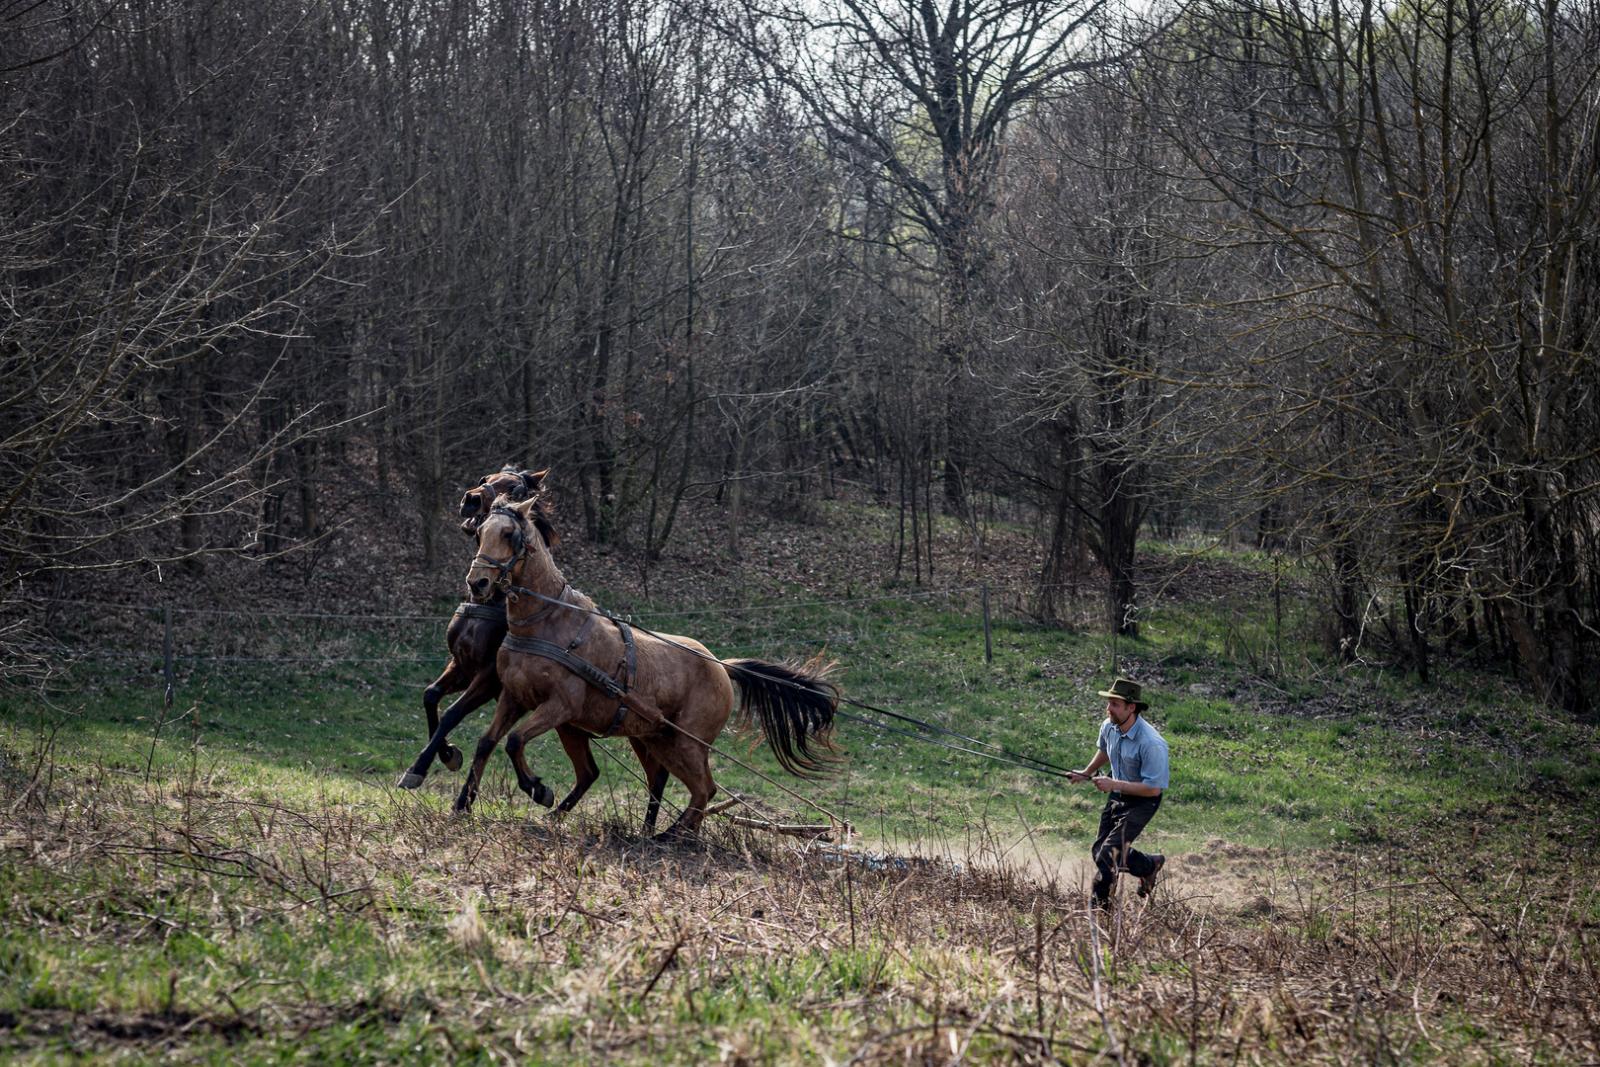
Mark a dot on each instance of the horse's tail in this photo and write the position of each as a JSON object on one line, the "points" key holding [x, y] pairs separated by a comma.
{"points": [[795, 707]]}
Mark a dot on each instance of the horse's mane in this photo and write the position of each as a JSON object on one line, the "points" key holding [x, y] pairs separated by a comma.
{"points": [[540, 513]]}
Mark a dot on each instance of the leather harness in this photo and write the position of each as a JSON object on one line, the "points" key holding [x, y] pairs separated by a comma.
{"points": [[487, 612], [615, 687]]}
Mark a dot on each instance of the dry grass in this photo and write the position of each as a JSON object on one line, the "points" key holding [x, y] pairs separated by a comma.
{"points": [[182, 920]]}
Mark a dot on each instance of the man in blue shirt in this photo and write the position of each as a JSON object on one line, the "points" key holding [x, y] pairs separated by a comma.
{"points": [[1138, 759]]}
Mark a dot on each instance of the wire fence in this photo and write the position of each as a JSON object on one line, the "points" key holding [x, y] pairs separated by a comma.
{"points": [[1246, 622], [90, 631], [224, 651]]}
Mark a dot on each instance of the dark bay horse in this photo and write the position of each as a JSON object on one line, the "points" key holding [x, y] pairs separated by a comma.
{"points": [[573, 669], [475, 632]]}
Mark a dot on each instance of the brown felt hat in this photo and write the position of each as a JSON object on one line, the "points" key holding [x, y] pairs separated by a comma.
{"points": [[1129, 690]]}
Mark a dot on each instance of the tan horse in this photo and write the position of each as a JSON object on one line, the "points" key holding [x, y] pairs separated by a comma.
{"points": [[667, 695]]}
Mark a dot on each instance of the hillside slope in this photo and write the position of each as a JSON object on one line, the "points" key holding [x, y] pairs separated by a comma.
{"points": [[1363, 870]]}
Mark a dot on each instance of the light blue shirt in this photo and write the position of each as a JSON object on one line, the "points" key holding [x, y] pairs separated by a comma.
{"points": [[1140, 755]]}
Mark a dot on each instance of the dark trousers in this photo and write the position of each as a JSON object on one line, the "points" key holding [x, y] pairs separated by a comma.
{"points": [[1122, 820]]}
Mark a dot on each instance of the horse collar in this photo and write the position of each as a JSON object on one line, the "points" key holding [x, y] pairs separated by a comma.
{"points": [[550, 605]]}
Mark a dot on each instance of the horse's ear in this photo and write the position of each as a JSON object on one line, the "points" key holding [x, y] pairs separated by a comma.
{"points": [[534, 479]]}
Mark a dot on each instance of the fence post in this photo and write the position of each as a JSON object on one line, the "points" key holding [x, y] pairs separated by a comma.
{"points": [[988, 642], [166, 651], [1277, 613]]}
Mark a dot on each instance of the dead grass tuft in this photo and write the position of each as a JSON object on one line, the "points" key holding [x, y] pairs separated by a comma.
{"points": [[505, 933]]}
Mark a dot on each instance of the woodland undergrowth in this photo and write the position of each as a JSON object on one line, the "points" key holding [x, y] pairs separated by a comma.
{"points": [[177, 918]]}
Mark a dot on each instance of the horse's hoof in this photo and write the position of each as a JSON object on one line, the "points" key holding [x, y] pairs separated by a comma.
{"points": [[543, 795], [410, 780], [450, 756]]}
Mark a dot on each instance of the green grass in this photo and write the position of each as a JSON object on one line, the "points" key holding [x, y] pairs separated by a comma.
{"points": [[1299, 762], [236, 879]]}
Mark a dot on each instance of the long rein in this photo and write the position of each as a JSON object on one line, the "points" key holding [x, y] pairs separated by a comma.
{"points": [[996, 753], [515, 592]]}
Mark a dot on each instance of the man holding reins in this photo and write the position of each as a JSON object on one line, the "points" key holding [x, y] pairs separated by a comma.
{"points": [[1138, 759]]}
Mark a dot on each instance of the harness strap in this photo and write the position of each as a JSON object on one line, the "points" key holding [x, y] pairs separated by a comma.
{"points": [[631, 655], [534, 646], [488, 612], [616, 688], [583, 635], [630, 662]]}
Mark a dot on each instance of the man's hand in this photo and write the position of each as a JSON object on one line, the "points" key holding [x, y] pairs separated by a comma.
{"points": [[1077, 777], [1104, 783]]}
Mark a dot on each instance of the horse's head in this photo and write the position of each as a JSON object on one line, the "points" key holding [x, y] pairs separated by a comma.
{"points": [[508, 484], [505, 539], [502, 545]]}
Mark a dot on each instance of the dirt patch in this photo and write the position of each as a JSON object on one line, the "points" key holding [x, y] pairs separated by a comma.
{"points": [[1242, 879], [1208, 577], [1220, 875]]}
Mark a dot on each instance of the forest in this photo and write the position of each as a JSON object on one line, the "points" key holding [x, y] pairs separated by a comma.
{"points": [[1313, 275], [940, 361]]}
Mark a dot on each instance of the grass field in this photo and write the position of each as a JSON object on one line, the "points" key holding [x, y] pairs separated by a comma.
{"points": [[1364, 870]]}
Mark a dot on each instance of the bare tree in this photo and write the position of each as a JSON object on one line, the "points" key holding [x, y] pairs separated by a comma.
{"points": [[160, 274], [1427, 326], [1094, 301], [923, 95]]}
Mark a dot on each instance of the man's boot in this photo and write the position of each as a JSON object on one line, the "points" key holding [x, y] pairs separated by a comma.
{"points": [[1147, 884]]}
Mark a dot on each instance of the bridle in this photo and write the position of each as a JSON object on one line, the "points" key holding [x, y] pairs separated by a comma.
{"points": [[487, 493], [503, 569]]}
